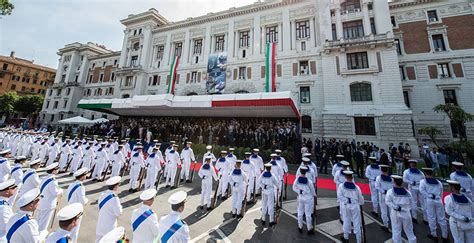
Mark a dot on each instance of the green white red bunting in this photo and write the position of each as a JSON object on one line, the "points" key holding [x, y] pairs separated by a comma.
{"points": [[270, 68], [173, 69]]}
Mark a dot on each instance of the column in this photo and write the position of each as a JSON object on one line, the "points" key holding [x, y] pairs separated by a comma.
{"points": [[257, 39], [286, 30], [325, 22], [186, 47], [145, 57], [72, 67], [205, 42], [230, 41], [166, 52], [123, 54], [339, 29], [365, 12], [312, 34], [382, 17], [293, 34]]}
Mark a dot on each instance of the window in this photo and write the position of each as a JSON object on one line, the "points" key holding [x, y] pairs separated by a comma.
{"points": [[394, 21], [65, 104], [5, 66], [354, 29], [220, 39], [357, 60], [399, 46], [50, 92], [432, 16], [128, 81], [302, 29], [112, 77], [63, 78], [52, 118], [23, 88], [443, 70], [306, 124], [103, 64], [402, 72], [101, 77], [372, 26], [159, 52], [76, 78], [178, 47], [111, 91], [55, 106], [47, 104], [68, 91], [13, 87], [406, 97], [242, 72], [305, 97], [193, 77], [155, 80], [90, 78], [197, 47], [303, 45], [115, 62], [438, 43], [134, 32], [272, 34], [13, 77], [334, 32], [93, 65], [136, 46], [450, 96], [58, 92], [350, 6], [244, 39], [134, 61], [364, 126], [139, 31], [304, 69], [361, 92]]}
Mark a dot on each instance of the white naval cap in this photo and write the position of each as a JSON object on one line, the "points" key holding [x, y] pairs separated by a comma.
{"points": [[177, 197], [231, 149], [277, 151], [344, 163], [348, 172], [397, 177], [7, 184], [372, 158], [28, 197], [306, 159], [70, 211], [81, 171], [113, 180], [148, 194], [247, 153], [273, 155], [33, 162], [223, 152], [384, 166], [413, 161], [268, 165], [256, 150], [208, 147], [456, 163], [21, 157], [52, 166], [306, 154], [339, 156], [453, 182], [114, 235]]}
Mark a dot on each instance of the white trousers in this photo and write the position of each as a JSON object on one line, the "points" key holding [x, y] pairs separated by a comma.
{"points": [[150, 178], [305, 207], [63, 161], [374, 196], [251, 186], [99, 168], [75, 163], [134, 176], [223, 184], [44, 218], [460, 236], [435, 212], [351, 214], [116, 167], [185, 170], [383, 209], [399, 223], [414, 208], [170, 177], [268, 205], [206, 190], [50, 160], [237, 198]]}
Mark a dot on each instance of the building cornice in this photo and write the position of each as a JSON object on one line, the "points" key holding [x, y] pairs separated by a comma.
{"points": [[408, 3], [150, 15]]}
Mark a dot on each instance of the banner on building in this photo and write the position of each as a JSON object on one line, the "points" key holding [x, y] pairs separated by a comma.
{"points": [[270, 85], [216, 73], [173, 69]]}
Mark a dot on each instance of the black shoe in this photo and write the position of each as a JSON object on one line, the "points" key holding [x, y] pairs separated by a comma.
{"points": [[71, 174], [300, 230], [202, 207], [239, 216], [129, 190], [181, 180], [375, 214], [188, 181], [311, 232], [173, 187], [432, 237], [224, 197], [415, 221], [234, 215], [263, 222], [445, 240], [167, 186], [209, 208], [425, 222], [272, 223], [385, 229], [340, 220]]}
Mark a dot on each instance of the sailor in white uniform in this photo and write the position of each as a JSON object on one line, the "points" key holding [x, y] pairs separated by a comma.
{"points": [[209, 153], [257, 161], [413, 176], [172, 228], [238, 181], [76, 193], [249, 169], [54, 150], [267, 182], [371, 172], [118, 161], [115, 235], [137, 162], [17, 174], [187, 156], [69, 217], [77, 155], [50, 191], [223, 170], [350, 201], [144, 220], [109, 208], [5, 167], [206, 173], [64, 156], [173, 163], [231, 158], [30, 178], [383, 183], [460, 210], [400, 202], [102, 161], [153, 166], [7, 189], [304, 188], [467, 184], [337, 166]]}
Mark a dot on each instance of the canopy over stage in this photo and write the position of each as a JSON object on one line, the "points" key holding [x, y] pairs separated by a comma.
{"points": [[277, 105]]}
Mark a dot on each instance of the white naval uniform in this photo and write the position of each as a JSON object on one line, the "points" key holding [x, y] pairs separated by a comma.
{"points": [[5, 169], [304, 188], [35, 150], [43, 151], [432, 191], [53, 153], [118, 160], [223, 170], [146, 231], [267, 182], [28, 232], [76, 193], [17, 174], [282, 163], [335, 168], [59, 235], [102, 158], [232, 159], [257, 163], [48, 202], [89, 156], [172, 166], [206, 173], [249, 169], [413, 177], [136, 164], [209, 153], [371, 172], [179, 236], [383, 183], [277, 171], [458, 207], [238, 181], [108, 214], [5, 214], [76, 158], [467, 184], [153, 168], [400, 201], [350, 199], [187, 155], [64, 156]]}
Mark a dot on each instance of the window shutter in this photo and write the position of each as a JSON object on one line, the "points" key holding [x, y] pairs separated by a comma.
{"points": [[159, 79], [312, 65], [338, 68], [279, 70], [379, 62], [235, 73], [410, 73], [167, 79], [187, 78], [295, 69], [199, 77], [177, 78], [457, 69], [433, 71], [249, 73], [262, 72]]}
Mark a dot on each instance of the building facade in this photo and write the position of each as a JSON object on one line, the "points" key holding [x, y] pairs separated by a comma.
{"points": [[341, 61], [24, 76]]}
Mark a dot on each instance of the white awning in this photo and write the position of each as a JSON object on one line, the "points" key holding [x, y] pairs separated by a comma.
{"points": [[77, 120]]}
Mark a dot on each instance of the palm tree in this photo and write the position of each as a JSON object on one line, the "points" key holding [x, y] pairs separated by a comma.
{"points": [[431, 132], [457, 115]]}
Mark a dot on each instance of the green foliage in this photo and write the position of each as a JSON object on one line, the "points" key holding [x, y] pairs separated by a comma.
{"points": [[30, 104], [457, 115], [6, 7], [431, 132], [464, 146], [7, 102]]}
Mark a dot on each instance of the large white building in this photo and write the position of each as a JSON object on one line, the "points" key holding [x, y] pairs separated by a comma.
{"points": [[364, 69]]}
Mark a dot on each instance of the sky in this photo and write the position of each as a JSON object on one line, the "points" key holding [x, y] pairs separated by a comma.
{"points": [[38, 28]]}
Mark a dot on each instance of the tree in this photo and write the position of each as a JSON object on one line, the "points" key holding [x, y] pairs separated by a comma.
{"points": [[431, 132], [29, 104], [457, 115], [7, 103], [6, 7]]}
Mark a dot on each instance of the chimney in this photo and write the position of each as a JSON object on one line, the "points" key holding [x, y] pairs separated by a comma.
{"points": [[12, 54]]}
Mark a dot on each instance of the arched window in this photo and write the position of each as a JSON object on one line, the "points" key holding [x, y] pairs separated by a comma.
{"points": [[361, 92], [306, 124], [136, 46], [242, 92], [192, 94], [124, 96]]}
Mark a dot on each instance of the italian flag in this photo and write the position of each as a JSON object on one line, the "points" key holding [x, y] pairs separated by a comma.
{"points": [[173, 69], [270, 68]]}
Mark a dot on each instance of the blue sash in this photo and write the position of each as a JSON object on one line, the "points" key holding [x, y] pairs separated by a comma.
{"points": [[45, 184], [3, 202], [2, 161], [15, 169], [141, 218], [27, 175], [170, 232], [74, 188], [106, 199], [15, 226], [65, 239]]}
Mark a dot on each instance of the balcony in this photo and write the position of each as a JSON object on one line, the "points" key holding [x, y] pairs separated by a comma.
{"points": [[369, 40]]}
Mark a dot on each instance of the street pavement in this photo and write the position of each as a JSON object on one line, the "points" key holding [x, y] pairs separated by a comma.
{"points": [[218, 224]]}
